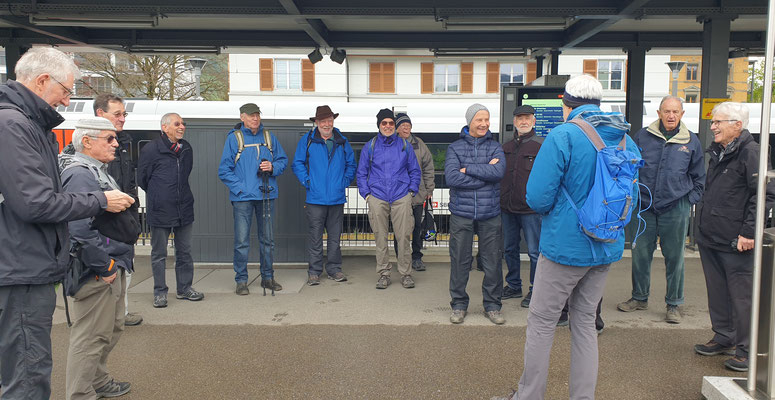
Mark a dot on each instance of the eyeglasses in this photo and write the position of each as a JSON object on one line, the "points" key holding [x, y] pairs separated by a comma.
{"points": [[178, 123], [719, 121], [387, 123], [68, 91], [110, 138], [119, 114]]}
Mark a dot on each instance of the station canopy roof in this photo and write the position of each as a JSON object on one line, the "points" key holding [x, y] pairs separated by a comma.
{"points": [[446, 27]]}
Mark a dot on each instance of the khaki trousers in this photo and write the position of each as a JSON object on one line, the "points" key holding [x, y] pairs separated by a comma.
{"points": [[400, 213], [98, 321]]}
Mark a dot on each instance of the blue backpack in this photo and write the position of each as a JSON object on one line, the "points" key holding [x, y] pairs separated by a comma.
{"points": [[609, 204]]}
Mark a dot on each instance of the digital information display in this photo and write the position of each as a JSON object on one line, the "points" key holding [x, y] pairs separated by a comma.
{"points": [[548, 105]]}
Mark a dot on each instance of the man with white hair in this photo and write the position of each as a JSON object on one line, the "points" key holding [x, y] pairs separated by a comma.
{"points": [[726, 218], [572, 267], [106, 257], [34, 210]]}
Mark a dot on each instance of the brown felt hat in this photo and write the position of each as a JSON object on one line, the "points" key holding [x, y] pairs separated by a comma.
{"points": [[323, 112]]}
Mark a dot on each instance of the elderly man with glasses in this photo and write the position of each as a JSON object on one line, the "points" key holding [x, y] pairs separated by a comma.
{"points": [[726, 218]]}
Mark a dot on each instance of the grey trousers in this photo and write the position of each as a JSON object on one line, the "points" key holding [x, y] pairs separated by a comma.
{"points": [[329, 218], [26, 313], [583, 288], [461, 239], [184, 263], [729, 279], [381, 213], [98, 321]]}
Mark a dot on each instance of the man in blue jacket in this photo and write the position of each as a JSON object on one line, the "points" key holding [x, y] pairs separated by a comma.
{"points": [[474, 167], [164, 167], [388, 177], [325, 165], [251, 161], [568, 269], [674, 174]]}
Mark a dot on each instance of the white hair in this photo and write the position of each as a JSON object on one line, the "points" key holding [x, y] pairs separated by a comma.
{"points": [[584, 87], [46, 60], [78, 136], [735, 111], [166, 119], [671, 97]]}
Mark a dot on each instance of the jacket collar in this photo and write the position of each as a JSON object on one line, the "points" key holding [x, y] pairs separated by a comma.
{"points": [[682, 137], [336, 135], [719, 153], [31, 104], [465, 134], [524, 138]]}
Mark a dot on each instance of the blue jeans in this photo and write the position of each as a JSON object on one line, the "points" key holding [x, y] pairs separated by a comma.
{"points": [[530, 225], [243, 218]]}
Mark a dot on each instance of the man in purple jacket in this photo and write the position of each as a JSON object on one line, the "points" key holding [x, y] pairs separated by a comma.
{"points": [[388, 177]]}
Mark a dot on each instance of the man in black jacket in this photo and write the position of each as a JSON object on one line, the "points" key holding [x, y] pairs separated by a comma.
{"points": [[726, 223], [163, 170], [34, 210]]}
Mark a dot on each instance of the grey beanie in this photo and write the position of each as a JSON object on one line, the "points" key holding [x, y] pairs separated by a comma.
{"points": [[475, 108]]}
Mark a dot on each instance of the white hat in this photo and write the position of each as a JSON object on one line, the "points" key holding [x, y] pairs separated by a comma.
{"points": [[96, 123]]}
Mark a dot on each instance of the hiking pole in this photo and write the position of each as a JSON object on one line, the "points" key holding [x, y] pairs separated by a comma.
{"points": [[265, 212]]}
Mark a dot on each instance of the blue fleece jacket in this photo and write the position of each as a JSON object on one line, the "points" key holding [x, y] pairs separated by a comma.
{"points": [[242, 178], [326, 175]]}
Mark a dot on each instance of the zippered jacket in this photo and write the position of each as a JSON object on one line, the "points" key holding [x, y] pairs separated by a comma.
{"points": [[425, 160], [520, 155], [163, 174], [393, 171], [243, 177], [326, 175]]}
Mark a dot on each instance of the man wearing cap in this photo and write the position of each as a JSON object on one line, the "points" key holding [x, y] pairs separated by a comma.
{"points": [[474, 168], [163, 170], [388, 177], [98, 301], [251, 161], [325, 165], [516, 215], [427, 184]]}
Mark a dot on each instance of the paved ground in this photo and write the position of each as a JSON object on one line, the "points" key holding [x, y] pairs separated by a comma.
{"points": [[350, 341]]}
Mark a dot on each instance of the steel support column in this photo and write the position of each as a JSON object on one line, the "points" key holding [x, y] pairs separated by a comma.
{"points": [[715, 60], [13, 52], [555, 62], [539, 66], [636, 76]]}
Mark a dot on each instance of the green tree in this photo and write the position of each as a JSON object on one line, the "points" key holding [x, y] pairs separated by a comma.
{"points": [[756, 83]]}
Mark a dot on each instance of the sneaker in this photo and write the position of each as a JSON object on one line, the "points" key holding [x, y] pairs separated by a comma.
{"points": [[563, 320], [113, 389], [511, 396], [242, 289], [673, 316], [495, 317], [418, 265], [191, 295], [407, 282], [632, 305], [271, 284], [509, 293], [338, 277], [313, 280], [160, 301], [383, 282], [526, 301], [713, 349], [132, 319], [737, 363], [457, 316]]}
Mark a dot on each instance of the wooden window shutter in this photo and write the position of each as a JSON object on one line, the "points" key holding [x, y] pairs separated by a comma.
{"points": [[532, 67], [375, 77], [266, 73], [467, 77], [382, 78], [307, 76], [590, 67], [388, 77], [493, 77], [426, 81]]}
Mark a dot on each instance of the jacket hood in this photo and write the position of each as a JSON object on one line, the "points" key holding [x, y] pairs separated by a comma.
{"points": [[597, 118], [31, 104], [465, 134], [336, 135], [716, 150], [682, 137]]}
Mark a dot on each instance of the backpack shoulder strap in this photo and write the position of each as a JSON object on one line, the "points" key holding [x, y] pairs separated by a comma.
{"points": [[590, 132], [240, 144], [268, 141]]}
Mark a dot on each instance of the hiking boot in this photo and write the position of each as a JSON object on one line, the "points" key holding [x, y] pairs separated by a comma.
{"points": [[563, 321], [383, 282], [737, 363], [313, 280], [509, 293], [132, 319], [191, 295], [457, 316], [511, 396], [160, 301], [113, 389], [418, 265], [526, 301], [242, 289], [713, 349], [673, 316], [338, 277], [407, 282], [270, 284], [632, 305], [495, 317]]}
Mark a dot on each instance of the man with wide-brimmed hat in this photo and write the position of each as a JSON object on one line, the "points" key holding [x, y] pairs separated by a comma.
{"points": [[325, 165]]}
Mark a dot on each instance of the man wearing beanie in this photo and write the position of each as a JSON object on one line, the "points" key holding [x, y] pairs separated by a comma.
{"points": [[388, 178], [567, 267], [427, 184], [474, 169]]}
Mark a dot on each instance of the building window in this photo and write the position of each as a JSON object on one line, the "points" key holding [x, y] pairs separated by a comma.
{"points": [[512, 73], [446, 78], [382, 77], [691, 98], [287, 74], [609, 73], [691, 72], [90, 86]]}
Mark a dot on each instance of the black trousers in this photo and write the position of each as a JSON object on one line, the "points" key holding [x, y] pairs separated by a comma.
{"points": [[461, 236]]}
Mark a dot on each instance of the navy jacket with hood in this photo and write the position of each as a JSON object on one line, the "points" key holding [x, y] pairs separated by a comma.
{"points": [[163, 174]]}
